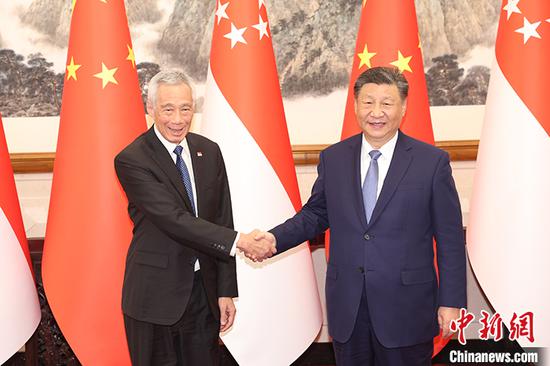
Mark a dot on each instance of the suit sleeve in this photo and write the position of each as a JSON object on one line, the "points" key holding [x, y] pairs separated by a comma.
{"points": [[310, 221], [227, 272], [156, 202], [449, 236]]}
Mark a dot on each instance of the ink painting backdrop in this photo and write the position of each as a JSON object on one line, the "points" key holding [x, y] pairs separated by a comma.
{"points": [[313, 41]]}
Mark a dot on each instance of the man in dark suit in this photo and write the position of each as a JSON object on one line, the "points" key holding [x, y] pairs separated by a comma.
{"points": [[180, 270], [385, 197]]}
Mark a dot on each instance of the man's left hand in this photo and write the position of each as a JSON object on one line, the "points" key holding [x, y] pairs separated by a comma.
{"points": [[444, 317], [227, 313]]}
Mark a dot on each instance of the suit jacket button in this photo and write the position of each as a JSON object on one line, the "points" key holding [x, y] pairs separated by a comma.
{"points": [[361, 270], [366, 237]]}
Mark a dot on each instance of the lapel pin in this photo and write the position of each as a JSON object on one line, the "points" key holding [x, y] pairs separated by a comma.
{"points": [[199, 153]]}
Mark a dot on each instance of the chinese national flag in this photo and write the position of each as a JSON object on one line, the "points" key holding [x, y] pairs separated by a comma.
{"points": [[88, 229], [278, 301], [509, 221], [19, 307], [388, 36]]}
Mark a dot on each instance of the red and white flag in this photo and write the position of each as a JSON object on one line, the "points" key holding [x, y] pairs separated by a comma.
{"points": [[278, 310], [88, 229], [388, 36], [509, 221], [19, 306]]}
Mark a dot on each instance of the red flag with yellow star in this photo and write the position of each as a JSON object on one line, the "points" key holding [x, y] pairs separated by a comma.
{"points": [[388, 36], [88, 229]]}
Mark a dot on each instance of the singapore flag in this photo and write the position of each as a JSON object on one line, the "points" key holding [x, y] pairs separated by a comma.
{"points": [[278, 309], [509, 223], [19, 307]]}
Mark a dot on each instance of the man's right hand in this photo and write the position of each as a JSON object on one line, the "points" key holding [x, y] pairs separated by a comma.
{"points": [[257, 245]]}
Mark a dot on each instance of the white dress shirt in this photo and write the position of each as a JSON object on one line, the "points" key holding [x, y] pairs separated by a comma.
{"points": [[383, 161]]}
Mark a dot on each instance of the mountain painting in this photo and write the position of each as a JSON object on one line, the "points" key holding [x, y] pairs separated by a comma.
{"points": [[313, 41]]}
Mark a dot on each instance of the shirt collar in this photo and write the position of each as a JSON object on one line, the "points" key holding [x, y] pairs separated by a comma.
{"points": [[387, 149], [170, 146]]}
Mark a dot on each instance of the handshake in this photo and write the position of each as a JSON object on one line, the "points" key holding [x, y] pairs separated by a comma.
{"points": [[257, 245]]}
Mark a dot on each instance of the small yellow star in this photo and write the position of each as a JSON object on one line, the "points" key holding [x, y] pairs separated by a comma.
{"points": [[402, 63], [107, 75], [419, 42], [103, 1], [365, 57], [131, 57], [364, 3], [71, 69], [73, 5]]}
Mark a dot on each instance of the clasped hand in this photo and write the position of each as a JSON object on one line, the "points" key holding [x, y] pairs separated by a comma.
{"points": [[257, 245]]}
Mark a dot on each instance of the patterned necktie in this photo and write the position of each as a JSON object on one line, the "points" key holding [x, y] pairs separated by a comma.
{"points": [[185, 177], [370, 185]]}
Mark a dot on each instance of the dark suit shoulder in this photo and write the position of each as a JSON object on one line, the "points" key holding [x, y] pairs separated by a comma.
{"points": [[420, 146], [134, 148], [343, 145], [200, 140]]}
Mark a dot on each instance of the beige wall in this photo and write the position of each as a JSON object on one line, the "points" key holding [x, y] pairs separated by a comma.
{"points": [[449, 123]]}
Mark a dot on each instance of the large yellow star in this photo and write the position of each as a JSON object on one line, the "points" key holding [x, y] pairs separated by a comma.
{"points": [[73, 3], [107, 75], [402, 63], [71, 69], [131, 57], [365, 57], [364, 3], [103, 1]]}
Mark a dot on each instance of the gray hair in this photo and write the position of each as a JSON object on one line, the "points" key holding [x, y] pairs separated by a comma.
{"points": [[382, 76], [169, 77]]}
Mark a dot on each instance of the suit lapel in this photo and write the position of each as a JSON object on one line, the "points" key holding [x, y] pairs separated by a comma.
{"points": [[355, 150], [163, 159], [398, 167], [199, 170]]}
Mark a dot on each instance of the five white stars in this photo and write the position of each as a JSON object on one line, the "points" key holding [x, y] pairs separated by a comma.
{"points": [[236, 35], [221, 11], [511, 7], [261, 27], [528, 30]]}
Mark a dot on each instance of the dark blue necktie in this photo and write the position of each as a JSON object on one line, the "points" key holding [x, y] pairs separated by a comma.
{"points": [[185, 177], [370, 185]]}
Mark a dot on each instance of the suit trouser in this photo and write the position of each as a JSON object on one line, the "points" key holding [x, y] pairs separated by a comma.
{"points": [[364, 349], [193, 340]]}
